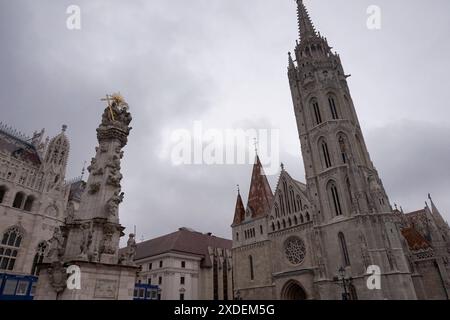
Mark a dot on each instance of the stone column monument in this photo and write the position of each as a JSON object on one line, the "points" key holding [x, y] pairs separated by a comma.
{"points": [[83, 261]]}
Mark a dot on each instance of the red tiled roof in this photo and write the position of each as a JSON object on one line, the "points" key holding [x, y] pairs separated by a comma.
{"points": [[260, 196], [239, 211], [183, 241], [415, 240]]}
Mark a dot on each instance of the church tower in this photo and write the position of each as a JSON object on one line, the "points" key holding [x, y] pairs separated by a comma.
{"points": [[353, 219]]}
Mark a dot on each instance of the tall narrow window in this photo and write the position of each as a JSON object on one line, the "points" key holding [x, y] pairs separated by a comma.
{"points": [[283, 212], [344, 251], [349, 189], [343, 149], [277, 211], [2, 193], [9, 248], [325, 154], [286, 195], [215, 278], [334, 197], [225, 279], [18, 200], [38, 258], [294, 203], [333, 108], [28, 203], [252, 272], [316, 110]]}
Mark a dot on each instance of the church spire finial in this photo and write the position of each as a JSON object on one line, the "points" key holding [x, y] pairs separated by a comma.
{"points": [[305, 25]]}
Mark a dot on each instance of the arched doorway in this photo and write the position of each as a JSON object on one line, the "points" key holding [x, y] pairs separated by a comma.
{"points": [[293, 291]]}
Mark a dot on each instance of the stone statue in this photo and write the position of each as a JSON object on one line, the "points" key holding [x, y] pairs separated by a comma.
{"points": [[86, 241], [130, 251], [55, 247], [112, 205]]}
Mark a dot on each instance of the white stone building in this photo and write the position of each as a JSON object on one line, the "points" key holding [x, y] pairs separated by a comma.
{"points": [[316, 240], [33, 196], [187, 265]]}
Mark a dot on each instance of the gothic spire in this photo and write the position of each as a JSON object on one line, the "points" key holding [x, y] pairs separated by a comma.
{"points": [[260, 195], [305, 25], [239, 211]]}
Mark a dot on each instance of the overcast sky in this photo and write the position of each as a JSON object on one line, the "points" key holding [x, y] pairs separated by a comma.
{"points": [[223, 62]]}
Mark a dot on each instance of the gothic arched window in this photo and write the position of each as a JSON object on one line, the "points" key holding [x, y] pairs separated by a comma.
{"points": [[294, 203], [343, 147], [18, 200], [282, 207], [299, 203], [325, 153], [344, 251], [38, 257], [335, 201], [316, 110], [286, 195], [277, 211], [333, 108], [252, 271], [302, 220], [9, 248]]}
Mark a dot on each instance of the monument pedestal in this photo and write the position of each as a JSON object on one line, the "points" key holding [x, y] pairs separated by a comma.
{"points": [[98, 281]]}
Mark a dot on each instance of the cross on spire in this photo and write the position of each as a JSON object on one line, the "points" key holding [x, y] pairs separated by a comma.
{"points": [[256, 145], [109, 99]]}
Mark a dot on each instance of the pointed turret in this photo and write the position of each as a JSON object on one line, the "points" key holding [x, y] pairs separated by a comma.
{"points": [[305, 26], [260, 195], [239, 211]]}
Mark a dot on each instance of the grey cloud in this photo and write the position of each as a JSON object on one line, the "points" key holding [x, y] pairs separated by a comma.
{"points": [[224, 62]]}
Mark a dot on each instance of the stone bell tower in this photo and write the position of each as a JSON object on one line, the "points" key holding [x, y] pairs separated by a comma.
{"points": [[90, 237], [353, 219]]}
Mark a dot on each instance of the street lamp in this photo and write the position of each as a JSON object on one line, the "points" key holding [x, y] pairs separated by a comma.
{"points": [[346, 283]]}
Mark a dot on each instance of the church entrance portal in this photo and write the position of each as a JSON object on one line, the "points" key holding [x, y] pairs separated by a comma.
{"points": [[293, 291]]}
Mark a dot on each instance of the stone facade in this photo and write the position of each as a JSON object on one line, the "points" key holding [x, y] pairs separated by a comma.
{"points": [[34, 196], [306, 240]]}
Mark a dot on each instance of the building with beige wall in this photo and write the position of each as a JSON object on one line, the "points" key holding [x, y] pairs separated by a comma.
{"points": [[187, 265]]}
